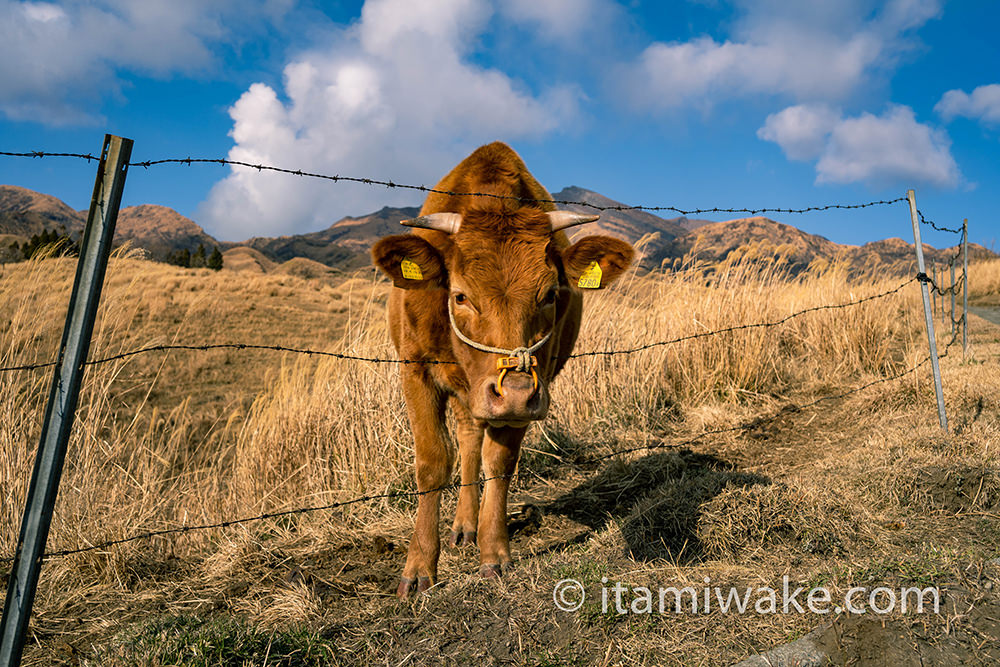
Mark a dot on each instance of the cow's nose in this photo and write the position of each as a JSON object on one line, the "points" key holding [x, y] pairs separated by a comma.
{"points": [[518, 398]]}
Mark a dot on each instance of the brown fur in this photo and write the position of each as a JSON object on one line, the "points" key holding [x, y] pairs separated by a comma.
{"points": [[505, 261]]}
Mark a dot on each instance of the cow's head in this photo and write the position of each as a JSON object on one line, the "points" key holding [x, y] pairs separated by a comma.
{"points": [[508, 286]]}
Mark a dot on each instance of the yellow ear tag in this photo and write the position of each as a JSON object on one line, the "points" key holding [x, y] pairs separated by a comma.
{"points": [[411, 271], [591, 278]]}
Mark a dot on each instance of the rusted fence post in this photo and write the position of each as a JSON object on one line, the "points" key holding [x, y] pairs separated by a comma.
{"points": [[61, 408], [928, 316]]}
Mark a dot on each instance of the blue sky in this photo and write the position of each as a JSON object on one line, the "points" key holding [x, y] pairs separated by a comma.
{"points": [[692, 104]]}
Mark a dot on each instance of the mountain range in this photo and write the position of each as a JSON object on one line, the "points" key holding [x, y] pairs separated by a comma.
{"points": [[343, 246]]}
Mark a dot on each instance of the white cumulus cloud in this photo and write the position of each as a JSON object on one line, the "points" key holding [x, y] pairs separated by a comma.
{"points": [[567, 22], [800, 130], [982, 104], [396, 96], [57, 60], [807, 51], [879, 150]]}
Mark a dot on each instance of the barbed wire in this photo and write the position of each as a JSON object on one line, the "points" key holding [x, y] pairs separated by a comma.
{"points": [[744, 426], [756, 423], [229, 346], [952, 289], [562, 202], [40, 154], [378, 360], [786, 409], [741, 327], [260, 517], [931, 223], [146, 164]]}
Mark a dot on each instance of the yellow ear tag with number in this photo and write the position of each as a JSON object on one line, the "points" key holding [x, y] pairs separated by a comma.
{"points": [[411, 271], [591, 277]]}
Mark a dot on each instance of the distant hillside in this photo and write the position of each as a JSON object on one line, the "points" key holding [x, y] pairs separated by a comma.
{"points": [[160, 230], [715, 241], [765, 238], [343, 245], [690, 224], [360, 233], [157, 229], [25, 213], [309, 269], [628, 225], [244, 258]]}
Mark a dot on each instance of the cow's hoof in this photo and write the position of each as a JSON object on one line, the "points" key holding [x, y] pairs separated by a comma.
{"points": [[466, 538], [490, 570], [406, 585]]}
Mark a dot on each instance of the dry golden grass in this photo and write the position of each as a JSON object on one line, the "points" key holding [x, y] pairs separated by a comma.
{"points": [[154, 434], [188, 437], [984, 282], [326, 430]]}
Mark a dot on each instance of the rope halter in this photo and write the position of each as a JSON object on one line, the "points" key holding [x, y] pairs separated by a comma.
{"points": [[520, 359]]}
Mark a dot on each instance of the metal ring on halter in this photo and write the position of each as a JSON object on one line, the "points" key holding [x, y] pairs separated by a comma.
{"points": [[504, 365]]}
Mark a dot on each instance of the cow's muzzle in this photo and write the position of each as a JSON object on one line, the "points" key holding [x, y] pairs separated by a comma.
{"points": [[515, 401], [516, 396]]}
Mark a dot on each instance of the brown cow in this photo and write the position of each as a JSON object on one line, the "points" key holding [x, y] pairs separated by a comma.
{"points": [[493, 286]]}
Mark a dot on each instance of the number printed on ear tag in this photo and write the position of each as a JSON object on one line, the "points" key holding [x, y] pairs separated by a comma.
{"points": [[591, 278], [411, 271]]}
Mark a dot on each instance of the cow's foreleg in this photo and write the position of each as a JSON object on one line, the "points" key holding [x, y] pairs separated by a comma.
{"points": [[501, 447], [470, 447], [425, 405]]}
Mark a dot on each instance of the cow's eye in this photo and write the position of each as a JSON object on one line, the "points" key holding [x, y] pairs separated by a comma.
{"points": [[550, 296], [460, 298]]}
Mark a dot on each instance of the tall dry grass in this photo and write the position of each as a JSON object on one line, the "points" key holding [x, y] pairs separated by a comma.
{"points": [[984, 279], [329, 428], [818, 349], [280, 432], [152, 442]]}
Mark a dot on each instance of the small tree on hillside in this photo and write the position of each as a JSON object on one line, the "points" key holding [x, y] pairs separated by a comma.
{"points": [[65, 246], [215, 260], [198, 258], [180, 258]]}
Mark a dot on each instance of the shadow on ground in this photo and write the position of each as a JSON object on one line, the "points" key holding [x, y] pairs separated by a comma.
{"points": [[657, 500]]}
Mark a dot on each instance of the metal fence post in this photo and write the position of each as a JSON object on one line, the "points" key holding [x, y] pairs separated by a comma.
{"points": [[928, 317], [951, 265], [61, 407], [965, 288], [934, 300], [939, 281]]}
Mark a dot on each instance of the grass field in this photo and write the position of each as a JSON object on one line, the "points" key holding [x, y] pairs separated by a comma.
{"points": [[860, 490]]}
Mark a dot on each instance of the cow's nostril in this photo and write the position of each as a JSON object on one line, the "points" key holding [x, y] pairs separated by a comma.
{"points": [[534, 401], [493, 390]]}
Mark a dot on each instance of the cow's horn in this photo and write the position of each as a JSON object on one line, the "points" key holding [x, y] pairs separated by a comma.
{"points": [[443, 222], [564, 219]]}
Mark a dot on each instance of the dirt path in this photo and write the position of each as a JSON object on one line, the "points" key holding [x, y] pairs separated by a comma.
{"points": [[988, 313]]}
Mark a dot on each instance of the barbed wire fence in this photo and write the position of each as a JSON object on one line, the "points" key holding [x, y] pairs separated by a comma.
{"points": [[591, 460], [749, 425]]}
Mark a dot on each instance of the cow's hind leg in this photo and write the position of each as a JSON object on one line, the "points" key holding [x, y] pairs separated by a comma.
{"points": [[470, 447], [501, 447], [425, 405]]}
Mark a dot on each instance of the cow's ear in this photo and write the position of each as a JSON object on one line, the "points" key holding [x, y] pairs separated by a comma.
{"points": [[594, 262], [410, 261]]}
